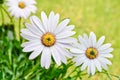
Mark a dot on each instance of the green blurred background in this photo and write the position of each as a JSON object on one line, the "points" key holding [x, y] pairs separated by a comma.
{"points": [[99, 16]]}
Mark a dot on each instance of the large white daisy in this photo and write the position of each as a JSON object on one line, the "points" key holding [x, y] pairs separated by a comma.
{"points": [[48, 38], [91, 53], [21, 8]]}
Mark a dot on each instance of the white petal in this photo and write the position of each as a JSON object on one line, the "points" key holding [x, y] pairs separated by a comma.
{"points": [[56, 20], [35, 53], [75, 50], [93, 69], [107, 55], [48, 59], [30, 43], [62, 55], [65, 34], [104, 60], [28, 35], [106, 50], [104, 65], [32, 47], [45, 58], [63, 50], [55, 55], [98, 65], [44, 20], [79, 60], [85, 64], [105, 46], [28, 32], [65, 45], [83, 41], [100, 41], [80, 46], [89, 69], [33, 29], [70, 27], [53, 21], [37, 23], [62, 26], [86, 38], [93, 39], [67, 40]]}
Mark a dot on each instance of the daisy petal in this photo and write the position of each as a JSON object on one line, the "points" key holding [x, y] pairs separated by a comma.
{"points": [[98, 65], [93, 39], [70, 27], [65, 34], [63, 50], [105, 46], [100, 41], [107, 55], [53, 21], [62, 55], [104, 60], [62, 25], [75, 50], [106, 50], [92, 67], [55, 55], [34, 30], [79, 60], [83, 41], [37, 24], [44, 62], [48, 58], [44, 20], [89, 69], [32, 47], [35, 53], [67, 40], [85, 64]]}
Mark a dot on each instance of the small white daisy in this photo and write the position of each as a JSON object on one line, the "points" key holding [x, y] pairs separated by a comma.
{"points": [[21, 8], [48, 38], [91, 53]]}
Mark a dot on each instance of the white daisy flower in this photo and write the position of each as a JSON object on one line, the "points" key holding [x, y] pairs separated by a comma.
{"points": [[92, 54], [48, 38], [21, 8]]}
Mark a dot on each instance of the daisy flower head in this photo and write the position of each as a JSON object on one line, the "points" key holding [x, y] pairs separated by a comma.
{"points": [[92, 54], [49, 38], [21, 8]]}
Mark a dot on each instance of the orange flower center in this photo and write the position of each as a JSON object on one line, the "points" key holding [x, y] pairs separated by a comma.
{"points": [[48, 39], [91, 53], [21, 5]]}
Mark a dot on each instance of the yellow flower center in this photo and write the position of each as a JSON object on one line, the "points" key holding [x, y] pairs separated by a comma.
{"points": [[91, 53], [48, 39], [21, 5]]}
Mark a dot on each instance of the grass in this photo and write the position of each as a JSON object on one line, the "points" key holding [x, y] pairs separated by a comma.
{"points": [[99, 16]]}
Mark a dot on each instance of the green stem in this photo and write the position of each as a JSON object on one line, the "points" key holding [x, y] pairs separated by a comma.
{"points": [[10, 56], [7, 14], [31, 71], [11, 18], [109, 74], [19, 27], [2, 15], [72, 71]]}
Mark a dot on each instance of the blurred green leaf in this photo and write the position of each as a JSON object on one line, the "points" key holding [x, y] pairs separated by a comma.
{"points": [[1, 1]]}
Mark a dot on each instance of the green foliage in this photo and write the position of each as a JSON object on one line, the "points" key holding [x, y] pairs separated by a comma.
{"points": [[1, 1]]}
